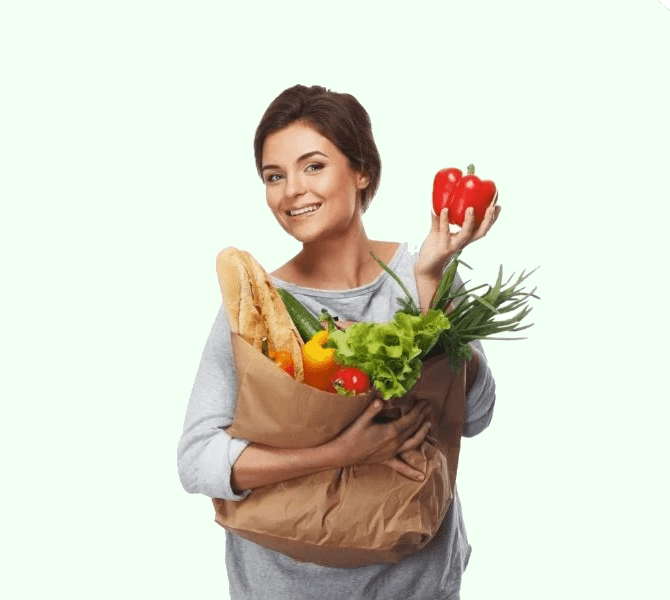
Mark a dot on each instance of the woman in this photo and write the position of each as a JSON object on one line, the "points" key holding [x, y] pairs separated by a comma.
{"points": [[317, 158]]}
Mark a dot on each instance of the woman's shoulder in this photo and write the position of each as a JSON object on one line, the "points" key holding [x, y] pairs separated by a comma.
{"points": [[385, 250], [287, 272]]}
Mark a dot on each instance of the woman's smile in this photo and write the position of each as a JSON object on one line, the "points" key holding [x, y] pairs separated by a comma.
{"points": [[305, 211]]}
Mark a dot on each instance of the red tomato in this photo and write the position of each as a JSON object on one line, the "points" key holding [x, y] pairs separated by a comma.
{"points": [[457, 193], [351, 380]]}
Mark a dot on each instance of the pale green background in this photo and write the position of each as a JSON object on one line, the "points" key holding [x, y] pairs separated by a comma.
{"points": [[127, 163]]}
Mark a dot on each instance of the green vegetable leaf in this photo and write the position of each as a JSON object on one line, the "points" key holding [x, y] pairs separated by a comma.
{"points": [[390, 353]]}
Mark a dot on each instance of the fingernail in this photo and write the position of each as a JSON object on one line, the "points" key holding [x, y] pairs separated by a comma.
{"points": [[421, 477]]}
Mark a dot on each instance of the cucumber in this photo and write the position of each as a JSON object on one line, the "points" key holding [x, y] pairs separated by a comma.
{"points": [[305, 322]]}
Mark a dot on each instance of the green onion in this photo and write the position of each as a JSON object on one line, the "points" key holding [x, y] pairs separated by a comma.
{"points": [[474, 317]]}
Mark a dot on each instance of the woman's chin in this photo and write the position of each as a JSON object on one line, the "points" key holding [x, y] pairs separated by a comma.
{"points": [[307, 232], [304, 233], [306, 237]]}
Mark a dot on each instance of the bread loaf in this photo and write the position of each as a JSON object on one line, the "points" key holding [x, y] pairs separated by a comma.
{"points": [[254, 307]]}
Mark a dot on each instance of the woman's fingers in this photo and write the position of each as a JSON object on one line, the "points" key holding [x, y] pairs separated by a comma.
{"points": [[468, 229], [441, 228], [404, 469], [417, 439], [467, 232], [410, 424], [434, 222], [444, 220], [490, 218], [496, 212], [414, 458], [368, 414], [367, 442]]}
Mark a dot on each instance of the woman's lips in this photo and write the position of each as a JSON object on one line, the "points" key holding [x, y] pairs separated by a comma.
{"points": [[305, 210]]}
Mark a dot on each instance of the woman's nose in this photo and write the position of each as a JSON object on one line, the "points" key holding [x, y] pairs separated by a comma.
{"points": [[294, 185]]}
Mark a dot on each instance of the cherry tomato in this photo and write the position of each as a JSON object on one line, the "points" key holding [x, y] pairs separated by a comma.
{"points": [[351, 380]]}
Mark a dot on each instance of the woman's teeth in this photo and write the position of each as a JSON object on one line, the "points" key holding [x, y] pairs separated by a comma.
{"points": [[302, 211]]}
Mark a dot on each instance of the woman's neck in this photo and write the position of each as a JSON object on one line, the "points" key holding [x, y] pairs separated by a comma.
{"points": [[342, 262]]}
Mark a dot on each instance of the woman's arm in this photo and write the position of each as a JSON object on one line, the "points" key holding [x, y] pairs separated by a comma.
{"points": [[363, 442], [260, 465], [206, 452], [426, 285]]}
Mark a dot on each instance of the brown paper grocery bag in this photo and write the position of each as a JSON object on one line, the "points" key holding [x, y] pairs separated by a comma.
{"points": [[352, 516], [276, 410]]}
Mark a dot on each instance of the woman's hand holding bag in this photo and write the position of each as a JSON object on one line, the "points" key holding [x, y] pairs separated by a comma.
{"points": [[368, 442]]}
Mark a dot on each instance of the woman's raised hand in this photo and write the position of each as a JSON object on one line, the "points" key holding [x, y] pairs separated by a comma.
{"points": [[440, 244], [366, 442]]}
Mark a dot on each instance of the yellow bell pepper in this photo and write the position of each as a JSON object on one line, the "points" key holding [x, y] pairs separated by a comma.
{"points": [[319, 362]]}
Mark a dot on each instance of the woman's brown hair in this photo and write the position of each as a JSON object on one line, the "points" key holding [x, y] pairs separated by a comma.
{"points": [[339, 117]]}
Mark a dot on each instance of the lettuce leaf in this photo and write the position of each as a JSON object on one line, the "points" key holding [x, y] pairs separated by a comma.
{"points": [[390, 353]]}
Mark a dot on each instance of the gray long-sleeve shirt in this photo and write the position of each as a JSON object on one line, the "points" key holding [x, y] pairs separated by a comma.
{"points": [[206, 454]]}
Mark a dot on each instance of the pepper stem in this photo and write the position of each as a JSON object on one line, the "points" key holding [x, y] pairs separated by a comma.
{"points": [[471, 169]]}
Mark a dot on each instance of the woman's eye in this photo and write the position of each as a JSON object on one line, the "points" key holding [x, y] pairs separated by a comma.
{"points": [[312, 167], [272, 177]]}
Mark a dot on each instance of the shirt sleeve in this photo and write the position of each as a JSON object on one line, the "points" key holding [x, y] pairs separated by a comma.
{"points": [[206, 453], [481, 398]]}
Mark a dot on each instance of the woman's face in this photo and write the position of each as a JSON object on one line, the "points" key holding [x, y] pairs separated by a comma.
{"points": [[309, 184]]}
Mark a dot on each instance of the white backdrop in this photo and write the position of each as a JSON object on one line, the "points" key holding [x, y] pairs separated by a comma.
{"points": [[126, 138]]}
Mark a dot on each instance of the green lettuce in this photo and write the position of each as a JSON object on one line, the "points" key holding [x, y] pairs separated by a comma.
{"points": [[390, 353]]}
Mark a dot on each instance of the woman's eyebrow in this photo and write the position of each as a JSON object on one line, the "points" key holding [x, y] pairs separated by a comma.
{"points": [[300, 159]]}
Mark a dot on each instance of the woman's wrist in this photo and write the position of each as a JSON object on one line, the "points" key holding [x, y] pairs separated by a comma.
{"points": [[260, 465], [426, 284]]}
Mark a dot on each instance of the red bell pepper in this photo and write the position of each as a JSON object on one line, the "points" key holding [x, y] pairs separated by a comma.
{"points": [[456, 193]]}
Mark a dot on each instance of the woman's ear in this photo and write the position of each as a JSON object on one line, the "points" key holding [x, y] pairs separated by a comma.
{"points": [[363, 181]]}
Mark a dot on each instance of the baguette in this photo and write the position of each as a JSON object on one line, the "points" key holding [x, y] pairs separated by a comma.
{"points": [[255, 308]]}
